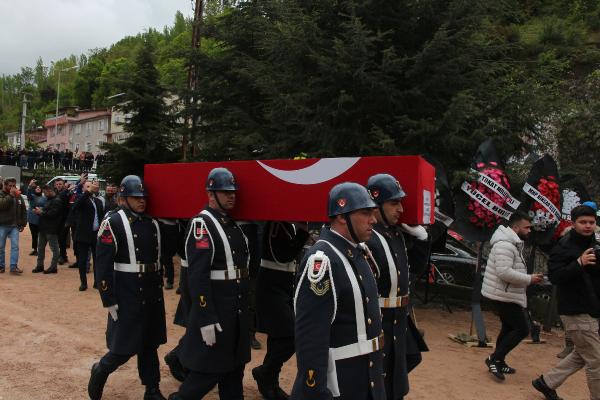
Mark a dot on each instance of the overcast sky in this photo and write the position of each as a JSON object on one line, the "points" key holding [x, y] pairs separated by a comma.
{"points": [[54, 29]]}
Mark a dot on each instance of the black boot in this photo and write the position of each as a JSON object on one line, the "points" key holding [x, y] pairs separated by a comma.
{"points": [[175, 396], [51, 271], [97, 380], [268, 384], [177, 370], [37, 269], [153, 393], [540, 385]]}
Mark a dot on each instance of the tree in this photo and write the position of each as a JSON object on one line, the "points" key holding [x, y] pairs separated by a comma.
{"points": [[151, 139]]}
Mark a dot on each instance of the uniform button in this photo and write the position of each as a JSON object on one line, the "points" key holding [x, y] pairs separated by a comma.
{"points": [[360, 276], [394, 337], [367, 299], [398, 273], [369, 321], [239, 296], [136, 249], [398, 290], [139, 275], [384, 354], [372, 384], [395, 322], [229, 236], [232, 251], [370, 364], [239, 311], [141, 289], [237, 281], [135, 235]]}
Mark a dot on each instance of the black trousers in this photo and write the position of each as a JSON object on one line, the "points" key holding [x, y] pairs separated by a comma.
{"points": [[515, 328], [147, 362], [198, 384], [83, 250], [34, 236], [62, 241], [279, 350], [167, 262]]}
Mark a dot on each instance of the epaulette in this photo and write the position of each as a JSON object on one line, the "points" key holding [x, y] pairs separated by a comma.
{"points": [[199, 228]]}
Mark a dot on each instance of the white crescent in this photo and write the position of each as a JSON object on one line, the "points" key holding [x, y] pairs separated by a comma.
{"points": [[322, 171]]}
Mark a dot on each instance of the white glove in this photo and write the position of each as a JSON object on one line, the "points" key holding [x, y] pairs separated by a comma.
{"points": [[209, 335], [112, 310], [418, 231]]}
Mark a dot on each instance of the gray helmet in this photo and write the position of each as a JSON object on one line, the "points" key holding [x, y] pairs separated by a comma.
{"points": [[384, 187], [347, 197], [220, 179], [132, 186]]}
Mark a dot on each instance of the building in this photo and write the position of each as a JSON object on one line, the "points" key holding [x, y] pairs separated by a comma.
{"points": [[78, 130], [37, 136], [116, 133]]}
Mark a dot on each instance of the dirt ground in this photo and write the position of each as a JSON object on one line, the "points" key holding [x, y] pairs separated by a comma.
{"points": [[50, 334]]}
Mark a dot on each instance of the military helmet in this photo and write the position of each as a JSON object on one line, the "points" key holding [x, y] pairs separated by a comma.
{"points": [[347, 197], [384, 187], [220, 179], [132, 186]]}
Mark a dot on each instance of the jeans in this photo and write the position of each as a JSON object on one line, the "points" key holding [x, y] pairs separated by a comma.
{"points": [[12, 232], [52, 240]]}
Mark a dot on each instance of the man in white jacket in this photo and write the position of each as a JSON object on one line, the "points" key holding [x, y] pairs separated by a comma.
{"points": [[504, 283]]}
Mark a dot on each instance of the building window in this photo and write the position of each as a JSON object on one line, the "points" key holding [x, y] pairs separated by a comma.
{"points": [[88, 129], [101, 125], [60, 130], [78, 129]]}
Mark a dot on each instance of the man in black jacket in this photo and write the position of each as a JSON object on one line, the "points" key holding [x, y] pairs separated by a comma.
{"points": [[63, 194], [87, 213], [574, 270], [50, 219]]}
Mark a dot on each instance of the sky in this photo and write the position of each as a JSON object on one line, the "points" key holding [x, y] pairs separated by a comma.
{"points": [[55, 29]]}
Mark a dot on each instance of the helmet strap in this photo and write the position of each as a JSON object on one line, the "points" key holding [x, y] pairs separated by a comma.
{"points": [[383, 216], [218, 201], [351, 228]]}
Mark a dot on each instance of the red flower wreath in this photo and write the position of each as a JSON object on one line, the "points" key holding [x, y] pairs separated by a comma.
{"points": [[481, 217]]}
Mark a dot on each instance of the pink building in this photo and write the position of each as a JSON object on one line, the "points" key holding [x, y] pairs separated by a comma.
{"points": [[78, 130]]}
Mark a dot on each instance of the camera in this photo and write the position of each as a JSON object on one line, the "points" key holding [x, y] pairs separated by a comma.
{"points": [[597, 252]]}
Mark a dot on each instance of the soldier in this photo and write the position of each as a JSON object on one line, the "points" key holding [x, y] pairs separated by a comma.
{"points": [[389, 247], [130, 285], [338, 322], [184, 305], [216, 344], [281, 244]]}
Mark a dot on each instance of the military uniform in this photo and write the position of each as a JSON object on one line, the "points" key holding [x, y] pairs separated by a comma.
{"points": [[338, 323], [389, 249], [129, 275], [281, 244], [217, 254]]}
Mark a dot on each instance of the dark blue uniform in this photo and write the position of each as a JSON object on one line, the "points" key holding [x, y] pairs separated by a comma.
{"points": [[218, 296], [140, 327], [398, 329], [328, 322], [281, 245], [185, 302]]}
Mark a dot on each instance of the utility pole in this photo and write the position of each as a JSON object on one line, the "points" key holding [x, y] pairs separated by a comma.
{"points": [[192, 77], [23, 119]]}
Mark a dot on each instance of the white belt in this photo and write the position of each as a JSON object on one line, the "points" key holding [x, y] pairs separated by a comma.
{"points": [[184, 263], [287, 267], [357, 349], [393, 302], [137, 268], [226, 275]]}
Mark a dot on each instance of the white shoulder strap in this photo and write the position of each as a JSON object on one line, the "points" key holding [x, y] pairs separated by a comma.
{"points": [[226, 246], [361, 331], [128, 236], [392, 269], [311, 277]]}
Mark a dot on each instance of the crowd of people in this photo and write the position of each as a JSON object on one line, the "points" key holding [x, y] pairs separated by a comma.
{"points": [[68, 160], [343, 309]]}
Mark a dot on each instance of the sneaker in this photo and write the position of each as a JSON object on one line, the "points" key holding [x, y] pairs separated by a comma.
{"points": [[540, 385], [494, 368], [505, 368], [16, 270]]}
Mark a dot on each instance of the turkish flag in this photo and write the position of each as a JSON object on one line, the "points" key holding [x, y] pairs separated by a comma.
{"points": [[287, 190]]}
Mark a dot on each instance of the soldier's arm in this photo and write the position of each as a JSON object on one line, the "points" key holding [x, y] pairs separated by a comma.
{"points": [[314, 312], [106, 249], [199, 253], [418, 253]]}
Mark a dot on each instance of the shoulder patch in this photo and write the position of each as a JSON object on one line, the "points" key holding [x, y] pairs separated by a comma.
{"points": [[320, 288]]}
